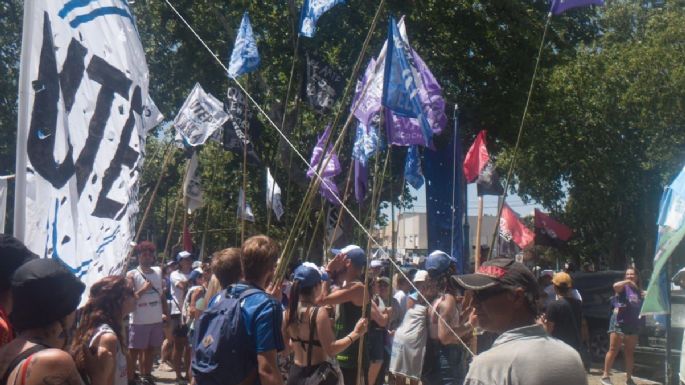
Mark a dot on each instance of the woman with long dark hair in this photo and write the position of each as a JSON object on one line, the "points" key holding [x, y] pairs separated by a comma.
{"points": [[624, 324], [310, 331], [99, 347]]}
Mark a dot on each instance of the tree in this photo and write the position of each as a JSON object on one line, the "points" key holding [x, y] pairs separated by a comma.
{"points": [[607, 132]]}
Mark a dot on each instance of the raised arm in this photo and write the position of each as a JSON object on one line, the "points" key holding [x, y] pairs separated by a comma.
{"points": [[353, 293], [324, 330]]}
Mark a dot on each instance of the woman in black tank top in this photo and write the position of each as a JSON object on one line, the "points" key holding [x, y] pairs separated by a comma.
{"points": [[310, 329]]}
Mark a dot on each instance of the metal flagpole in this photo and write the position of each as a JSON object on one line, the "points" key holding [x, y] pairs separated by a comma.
{"points": [[23, 121]]}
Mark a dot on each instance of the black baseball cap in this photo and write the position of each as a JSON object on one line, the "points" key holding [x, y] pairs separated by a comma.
{"points": [[13, 254], [43, 291], [504, 272]]}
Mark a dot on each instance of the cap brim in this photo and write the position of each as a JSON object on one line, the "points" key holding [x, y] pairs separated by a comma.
{"points": [[336, 251], [475, 281]]}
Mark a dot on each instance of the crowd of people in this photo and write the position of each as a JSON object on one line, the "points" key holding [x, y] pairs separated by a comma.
{"points": [[232, 321]]}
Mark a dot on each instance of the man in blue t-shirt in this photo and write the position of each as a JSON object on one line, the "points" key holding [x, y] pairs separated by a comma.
{"points": [[261, 312]]}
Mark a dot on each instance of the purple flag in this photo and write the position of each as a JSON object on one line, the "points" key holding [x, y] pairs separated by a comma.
{"points": [[332, 165], [329, 190], [561, 6], [361, 180], [403, 131], [370, 105]]}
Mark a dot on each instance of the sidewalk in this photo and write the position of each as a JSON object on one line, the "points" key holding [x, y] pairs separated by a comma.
{"points": [[618, 378]]}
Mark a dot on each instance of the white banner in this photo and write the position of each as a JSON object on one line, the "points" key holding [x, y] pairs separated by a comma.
{"points": [[192, 185], [83, 90], [245, 214], [273, 195], [3, 203], [201, 115]]}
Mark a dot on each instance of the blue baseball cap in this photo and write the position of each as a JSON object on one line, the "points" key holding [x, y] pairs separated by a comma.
{"points": [[354, 253], [308, 275], [438, 263]]}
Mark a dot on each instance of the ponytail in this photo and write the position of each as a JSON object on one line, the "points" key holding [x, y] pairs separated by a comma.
{"points": [[294, 302]]}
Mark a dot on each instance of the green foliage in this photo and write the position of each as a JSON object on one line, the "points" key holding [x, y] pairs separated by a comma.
{"points": [[607, 132]]}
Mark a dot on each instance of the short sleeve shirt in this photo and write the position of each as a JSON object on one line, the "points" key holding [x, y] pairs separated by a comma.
{"points": [[177, 294], [561, 312], [263, 316]]}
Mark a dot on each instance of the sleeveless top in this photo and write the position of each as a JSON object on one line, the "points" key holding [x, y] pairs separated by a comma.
{"points": [[347, 317], [149, 305], [120, 373]]}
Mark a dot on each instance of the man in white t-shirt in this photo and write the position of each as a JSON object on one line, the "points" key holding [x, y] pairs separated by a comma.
{"points": [[146, 331], [179, 286]]}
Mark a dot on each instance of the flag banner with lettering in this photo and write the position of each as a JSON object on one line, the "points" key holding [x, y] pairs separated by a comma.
{"points": [[369, 104], [200, 116], [83, 94], [245, 56], [331, 167], [561, 6], [273, 195], [323, 84], [240, 121], [549, 232], [402, 85], [244, 208], [671, 230], [512, 229], [488, 182], [311, 12], [192, 185], [476, 158], [412, 168]]}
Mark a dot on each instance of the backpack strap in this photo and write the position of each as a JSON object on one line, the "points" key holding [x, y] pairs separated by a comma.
{"points": [[312, 329], [19, 358], [248, 292]]}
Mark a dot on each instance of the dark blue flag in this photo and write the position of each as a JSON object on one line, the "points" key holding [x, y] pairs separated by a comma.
{"points": [[245, 57], [412, 168], [561, 6], [311, 11], [400, 88]]}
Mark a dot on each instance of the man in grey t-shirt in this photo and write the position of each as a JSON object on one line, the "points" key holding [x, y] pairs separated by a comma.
{"points": [[504, 298]]}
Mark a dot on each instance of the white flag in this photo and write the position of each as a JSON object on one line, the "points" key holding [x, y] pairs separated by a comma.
{"points": [[201, 115], [192, 186], [151, 115], [83, 87], [273, 195], [247, 213], [3, 203]]}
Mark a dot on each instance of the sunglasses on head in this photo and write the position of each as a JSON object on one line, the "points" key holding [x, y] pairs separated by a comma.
{"points": [[484, 295]]}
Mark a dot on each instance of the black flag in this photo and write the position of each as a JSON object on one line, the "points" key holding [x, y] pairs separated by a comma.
{"points": [[488, 181], [324, 84], [234, 138]]}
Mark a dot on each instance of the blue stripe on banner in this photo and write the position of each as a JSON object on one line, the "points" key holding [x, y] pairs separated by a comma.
{"points": [[107, 240], [104, 11], [71, 5], [79, 271]]}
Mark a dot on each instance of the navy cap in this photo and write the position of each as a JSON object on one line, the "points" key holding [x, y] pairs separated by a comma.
{"points": [[308, 275], [194, 275], [438, 263], [354, 253]]}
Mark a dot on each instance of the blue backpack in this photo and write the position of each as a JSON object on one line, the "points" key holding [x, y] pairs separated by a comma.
{"points": [[220, 346]]}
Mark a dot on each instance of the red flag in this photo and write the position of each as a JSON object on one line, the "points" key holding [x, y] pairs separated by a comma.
{"points": [[512, 229], [545, 226], [476, 159], [187, 239]]}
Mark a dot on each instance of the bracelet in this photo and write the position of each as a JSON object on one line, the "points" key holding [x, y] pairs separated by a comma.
{"points": [[468, 324], [351, 339]]}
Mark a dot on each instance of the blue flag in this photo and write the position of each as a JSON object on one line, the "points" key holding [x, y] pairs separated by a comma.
{"points": [[561, 6], [311, 11], [245, 57], [400, 88], [671, 224], [412, 168]]}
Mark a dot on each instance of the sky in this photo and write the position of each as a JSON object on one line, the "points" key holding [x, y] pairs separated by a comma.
{"points": [[489, 203]]}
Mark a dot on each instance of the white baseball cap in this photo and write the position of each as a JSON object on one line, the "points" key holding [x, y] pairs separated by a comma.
{"points": [[421, 276]]}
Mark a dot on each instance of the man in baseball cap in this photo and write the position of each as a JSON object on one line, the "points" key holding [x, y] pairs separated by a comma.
{"points": [[504, 298], [347, 268]]}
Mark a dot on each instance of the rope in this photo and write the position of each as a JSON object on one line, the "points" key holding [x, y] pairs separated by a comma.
{"points": [[518, 138], [316, 173]]}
